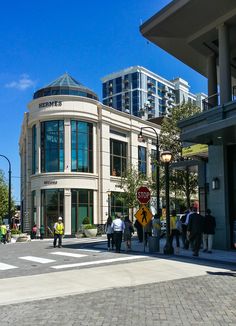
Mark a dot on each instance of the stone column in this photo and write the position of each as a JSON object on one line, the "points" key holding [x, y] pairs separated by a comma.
{"points": [[212, 80], [38, 208], [67, 211], [67, 145], [224, 64]]}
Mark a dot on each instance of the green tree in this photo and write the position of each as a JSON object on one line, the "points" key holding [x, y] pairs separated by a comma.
{"points": [[181, 182], [4, 198], [129, 183]]}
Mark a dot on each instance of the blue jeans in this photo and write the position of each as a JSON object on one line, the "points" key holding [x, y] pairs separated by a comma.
{"points": [[59, 237]]}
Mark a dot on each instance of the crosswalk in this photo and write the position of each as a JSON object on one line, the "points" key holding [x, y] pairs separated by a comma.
{"points": [[75, 263]]}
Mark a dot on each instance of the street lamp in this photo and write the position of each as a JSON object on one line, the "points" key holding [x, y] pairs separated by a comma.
{"points": [[9, 189], [141, 138], [166, 157]]}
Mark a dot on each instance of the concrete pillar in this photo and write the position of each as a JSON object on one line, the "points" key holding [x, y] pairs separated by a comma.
{"points": [[212, 80], [224, 64], [38, 207], [67, 211], [67, 145]]}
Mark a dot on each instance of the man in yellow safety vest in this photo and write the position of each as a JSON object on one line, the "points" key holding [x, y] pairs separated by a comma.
{"points": [[3, 232], [58, 232]]}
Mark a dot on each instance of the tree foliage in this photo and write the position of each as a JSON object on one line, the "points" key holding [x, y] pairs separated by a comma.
{"points": [[3, 196], [182, 182], [129, 183], [170, 132]]}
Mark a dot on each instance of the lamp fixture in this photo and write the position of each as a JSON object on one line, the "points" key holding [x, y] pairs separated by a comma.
{"points": [[166, 157], [215, 184]]}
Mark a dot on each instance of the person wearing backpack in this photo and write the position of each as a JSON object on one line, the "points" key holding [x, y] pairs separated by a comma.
{"points": [[109, 233]]}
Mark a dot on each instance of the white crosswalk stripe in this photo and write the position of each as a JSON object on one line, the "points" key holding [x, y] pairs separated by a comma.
{"points": [[68, 254], [37, 259], [88, 250], [4, 267], [97, 262]]}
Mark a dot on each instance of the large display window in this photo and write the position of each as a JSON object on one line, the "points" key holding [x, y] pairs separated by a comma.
{"points": [[52, 146], [81, 206], [118, 157], [81, 146], [52, 201]]}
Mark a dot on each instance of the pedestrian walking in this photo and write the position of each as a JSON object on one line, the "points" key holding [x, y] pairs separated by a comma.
{"points": [[118, 229], [34, 231], [174, 231], [156, 226], [3, 232], [147, 231], [42, 232], [208, 231], [139, 229], [195, 229], [58, 232], [184, 230], [128, 231], [109, 233]]}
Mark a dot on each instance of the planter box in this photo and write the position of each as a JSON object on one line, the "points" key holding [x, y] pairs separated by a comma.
{"points": [[90, 233]]}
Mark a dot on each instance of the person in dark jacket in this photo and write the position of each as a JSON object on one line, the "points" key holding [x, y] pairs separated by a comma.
{"points": [[139, 228], [208, 231], [195, 229]]}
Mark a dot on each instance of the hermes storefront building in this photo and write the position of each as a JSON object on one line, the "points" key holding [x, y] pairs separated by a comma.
{"points": [[73, 151]]}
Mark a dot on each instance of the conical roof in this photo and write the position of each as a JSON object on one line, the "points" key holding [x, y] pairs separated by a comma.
{"points": [[65, 85]]}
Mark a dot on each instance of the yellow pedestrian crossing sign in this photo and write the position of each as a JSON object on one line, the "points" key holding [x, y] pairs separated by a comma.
{"points": [[143, 215]]}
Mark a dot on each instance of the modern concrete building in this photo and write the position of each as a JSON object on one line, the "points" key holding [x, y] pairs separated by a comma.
{"points": [[142, 93], [207, 44], [73, 151]]}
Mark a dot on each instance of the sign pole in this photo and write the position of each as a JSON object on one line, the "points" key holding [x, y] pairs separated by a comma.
{"points": [[144, 244]]}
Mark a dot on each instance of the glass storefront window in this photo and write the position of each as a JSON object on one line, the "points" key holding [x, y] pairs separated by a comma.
{"points": [[34, 207], [52, 201], [52, 146], [34, 149], [118, 157], [81, 146], [81, 207], [118, 205], [142, 160]]}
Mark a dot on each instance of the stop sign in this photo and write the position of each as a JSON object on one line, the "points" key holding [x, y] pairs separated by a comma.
{"points": [[143, 195]]}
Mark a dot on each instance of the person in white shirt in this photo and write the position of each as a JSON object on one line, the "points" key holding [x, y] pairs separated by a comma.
{"points": [[118, 227]]}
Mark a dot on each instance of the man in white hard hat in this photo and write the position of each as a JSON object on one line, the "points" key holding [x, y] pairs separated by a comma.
{"points": [[58, 232]]}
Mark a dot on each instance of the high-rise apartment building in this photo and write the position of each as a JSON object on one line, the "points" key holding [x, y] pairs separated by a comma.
{"points": [[142, 93]]}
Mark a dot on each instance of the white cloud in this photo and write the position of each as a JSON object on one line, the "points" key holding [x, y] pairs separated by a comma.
{"points": [[23, 83]]}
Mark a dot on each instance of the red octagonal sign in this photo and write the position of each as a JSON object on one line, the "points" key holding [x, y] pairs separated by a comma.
{"points": [[143, 195]]}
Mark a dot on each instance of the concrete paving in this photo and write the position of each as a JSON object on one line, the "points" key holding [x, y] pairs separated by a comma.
{"points": [[106, 289]]}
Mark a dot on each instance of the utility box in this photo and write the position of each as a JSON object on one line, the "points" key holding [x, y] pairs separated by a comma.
{"points": [[154, 244]]}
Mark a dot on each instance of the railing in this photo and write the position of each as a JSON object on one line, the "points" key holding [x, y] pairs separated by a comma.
{"points": [[208, 102]]}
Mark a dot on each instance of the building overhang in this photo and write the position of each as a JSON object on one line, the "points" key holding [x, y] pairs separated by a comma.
{"points": [[214, 127], [187, 29]]}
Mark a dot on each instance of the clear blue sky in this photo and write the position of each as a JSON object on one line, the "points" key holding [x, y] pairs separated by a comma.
{"points": [[40, 40]]}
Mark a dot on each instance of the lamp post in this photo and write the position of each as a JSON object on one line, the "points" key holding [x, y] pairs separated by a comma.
{"points": [[166, 158], [141, 138], [9, 189]]}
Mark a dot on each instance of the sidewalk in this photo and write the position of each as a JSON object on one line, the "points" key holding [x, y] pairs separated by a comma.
{"points": [[216, 256]]}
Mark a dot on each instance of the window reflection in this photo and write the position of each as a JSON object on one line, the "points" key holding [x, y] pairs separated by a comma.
{"points": [[81, 146], [142, 160], [118, 157], [52, 146]]}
